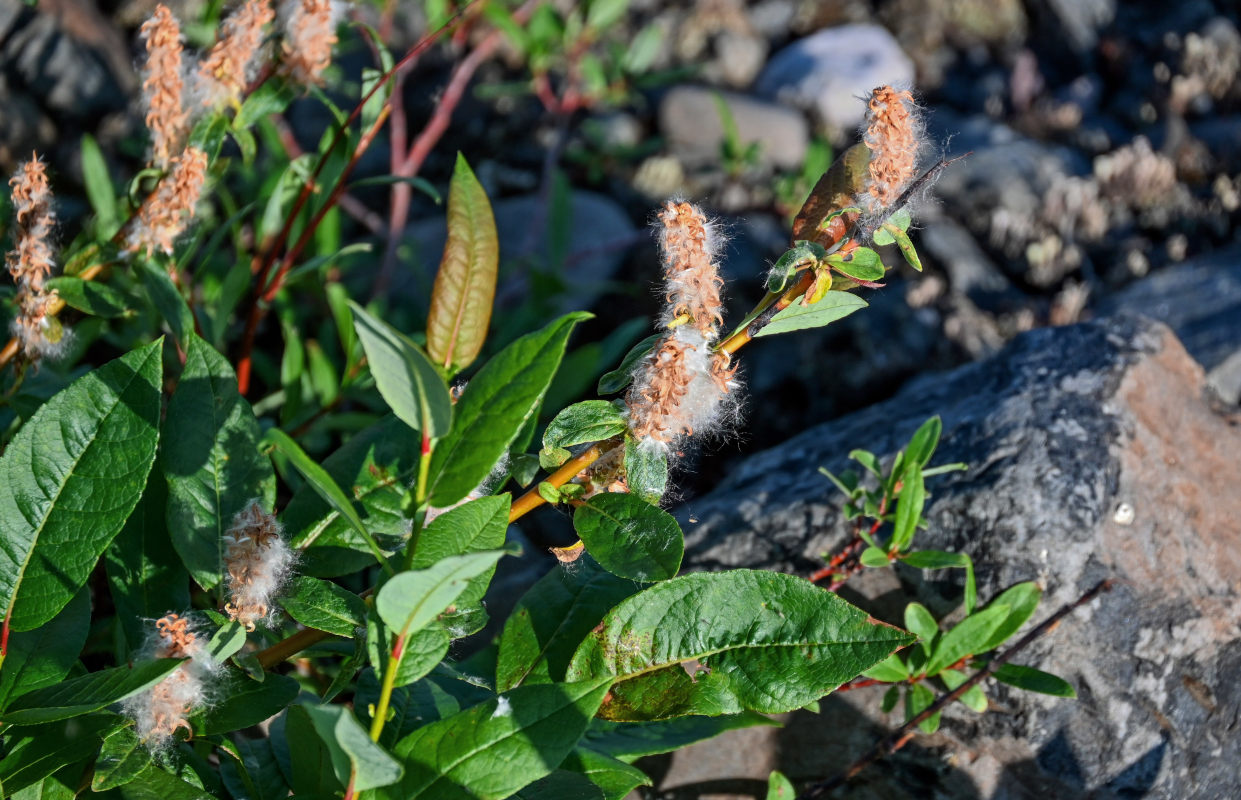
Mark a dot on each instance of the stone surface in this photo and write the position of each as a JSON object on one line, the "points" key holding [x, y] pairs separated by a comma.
{"points": [[690, 120], [1065, 431], [828, 71]]}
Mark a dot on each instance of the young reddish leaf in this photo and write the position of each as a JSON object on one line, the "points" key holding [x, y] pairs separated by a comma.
{"points": [[466, 283]]}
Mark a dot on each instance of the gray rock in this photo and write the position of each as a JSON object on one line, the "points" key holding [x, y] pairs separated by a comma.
{"points": [[828, 71], [690, 120], [1092, 454], [1081, 20], [970, 271], [1201, 301], [738, 58]]}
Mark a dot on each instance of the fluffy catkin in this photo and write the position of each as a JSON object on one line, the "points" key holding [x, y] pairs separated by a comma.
{"points": [[234, 60], [162, 86], [893, 133], [30, 262], [159, 711], [309, 28], [681, 387], [258, 562], [165, 213]]}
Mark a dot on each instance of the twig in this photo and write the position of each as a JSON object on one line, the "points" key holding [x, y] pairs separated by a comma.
{"points": [[901, 736]]}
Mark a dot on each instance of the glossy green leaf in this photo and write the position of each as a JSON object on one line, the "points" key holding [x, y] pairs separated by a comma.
{"points": [[228, 639], [906, 246], [494, 408], [832, 307], [616, 380], [920, 622], [244, 701], [91, 297], [1022, 599], [356, 759], [32, 754], [408, 381], [892, 669], [375, 468], [121, 759], [211, 460], [70, 478], [562, 785], [421, 652], [157, 783], [43, 656], [86, 693], [780, 787], [924, 441], [481, 524], [890, 699], [1033, 680], [553, 618], [163, 294], [918, 698], [325, 487], [968, 637], [874, 557], [588, 421], [145, 575], [499, 746], [629, 741], [630, 537], [933, 559], [412, 600], [646, 470], [324, 606], [465, 285], [909, 503], [862, 264], [614, 777], [769, 642], [99, 188], [303, 756], [258, 774], [973, 697]]}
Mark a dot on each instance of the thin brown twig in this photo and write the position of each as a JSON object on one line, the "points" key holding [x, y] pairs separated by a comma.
{"points": [[901, 736]]}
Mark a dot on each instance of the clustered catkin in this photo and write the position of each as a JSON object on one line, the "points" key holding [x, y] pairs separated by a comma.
{"points": [[159, 711], [682, 387], [258, 562], [309, 28], [234, 60], [893, 133], [166, 212], [30, 262], [163, 85]]}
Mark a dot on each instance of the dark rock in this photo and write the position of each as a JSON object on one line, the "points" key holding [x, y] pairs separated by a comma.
{"points": [[689, 117], [970, 271], [1093, 454]]}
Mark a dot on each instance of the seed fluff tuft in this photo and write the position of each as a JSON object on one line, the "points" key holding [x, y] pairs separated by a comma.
{"points": [[159, 711], [258, 562], [309, 28]]}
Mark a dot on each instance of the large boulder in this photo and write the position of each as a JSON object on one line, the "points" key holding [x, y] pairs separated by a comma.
{"points": [[1094, 453]]}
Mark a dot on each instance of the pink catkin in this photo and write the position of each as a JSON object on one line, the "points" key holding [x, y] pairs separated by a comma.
{"points": [[163, 85], [166, 212], [309, 28], [233, 61], [894, 135], [30, 262]]}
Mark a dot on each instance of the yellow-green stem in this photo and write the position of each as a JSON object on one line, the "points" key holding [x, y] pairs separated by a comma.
{"points": [[385, 692]]}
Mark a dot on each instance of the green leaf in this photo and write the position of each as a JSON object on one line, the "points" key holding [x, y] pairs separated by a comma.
{"points": [[32, 754], [630, 537], [832, 307], [588, 421], [69, 479], [283, 194], [269, 97], [780, 787], [615, 777], [155, 783], [496, 404], [907, 248], [421, 653], [562, 785], [86, 693], [122, 758], [376, 467], [629, 741], [145, 575], [909, 505], [43, 657], [969, 637], [874, 557], [406, 378], [1022, 599], [769, 642], [227, 641], [91, 297], [863, 264], [920, 622], [211, 460], [551, 458], [643, 49], [646, 470], [465, 285], [326, 488], [868, 461], [412, 600], [258, 769], [553, 618], [616, 380], [356, 759], [99, 188], [472, 527], [244, 702], [924, 441], [303, 756], [892, 669], [528, 730], [918, 698], [934, 559], [1033, 680], [421, 184], [166, 299], [602, 14], [890, 697], [324, 606], [973, 697]]}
